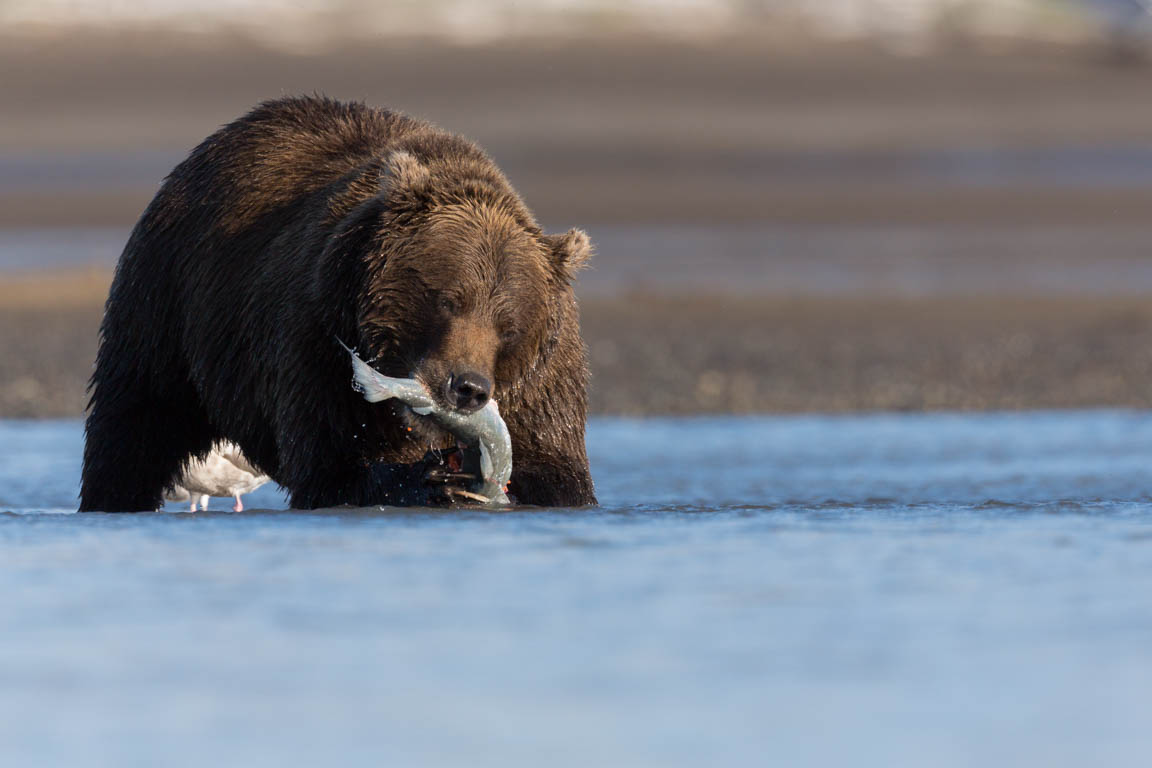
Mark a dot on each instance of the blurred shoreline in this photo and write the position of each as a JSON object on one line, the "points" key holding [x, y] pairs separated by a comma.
{"points": [[713, 353], [828, 229], [616, 131]]}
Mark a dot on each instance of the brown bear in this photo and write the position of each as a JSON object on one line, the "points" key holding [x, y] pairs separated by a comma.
{"points": [[309, 223]]}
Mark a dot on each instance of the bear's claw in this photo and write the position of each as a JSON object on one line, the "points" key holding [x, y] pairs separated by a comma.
{"points": [[441, 476], [445, 484]]}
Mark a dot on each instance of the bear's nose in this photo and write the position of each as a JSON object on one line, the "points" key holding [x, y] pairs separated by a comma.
{"points": [[468, 391]]}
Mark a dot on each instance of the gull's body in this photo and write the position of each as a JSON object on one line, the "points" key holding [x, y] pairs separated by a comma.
{"points": [[223, 472]]}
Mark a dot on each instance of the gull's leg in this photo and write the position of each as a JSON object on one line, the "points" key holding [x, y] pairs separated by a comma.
{"points": [[204, 503], [239, 505]]}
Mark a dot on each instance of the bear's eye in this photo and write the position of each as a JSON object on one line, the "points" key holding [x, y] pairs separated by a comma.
{"points": [[509, 335], [447, 305]]}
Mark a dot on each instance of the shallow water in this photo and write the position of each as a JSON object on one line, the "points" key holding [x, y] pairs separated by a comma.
{"points": [[946, 589]]}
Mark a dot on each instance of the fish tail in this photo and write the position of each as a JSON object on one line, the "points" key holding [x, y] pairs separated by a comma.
{"points": [[365, 380]]}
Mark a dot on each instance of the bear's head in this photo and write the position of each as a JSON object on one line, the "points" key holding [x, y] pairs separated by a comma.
{"points": [[461, 289]]}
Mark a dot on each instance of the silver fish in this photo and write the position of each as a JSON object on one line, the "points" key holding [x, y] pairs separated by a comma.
{"points": [[484, 435]]}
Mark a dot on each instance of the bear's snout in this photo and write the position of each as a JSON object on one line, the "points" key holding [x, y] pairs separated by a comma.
{"points": [[468, 391]]}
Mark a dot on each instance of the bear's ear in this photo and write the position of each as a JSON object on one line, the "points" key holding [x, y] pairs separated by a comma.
{"points": [[570, 252], [402, 171]]}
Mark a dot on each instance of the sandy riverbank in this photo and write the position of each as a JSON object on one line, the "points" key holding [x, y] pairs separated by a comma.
{"points": [[692, 354], [931, 178]]}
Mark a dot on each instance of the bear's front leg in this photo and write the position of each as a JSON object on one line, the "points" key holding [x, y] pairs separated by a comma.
{"points": [[563, 482]]}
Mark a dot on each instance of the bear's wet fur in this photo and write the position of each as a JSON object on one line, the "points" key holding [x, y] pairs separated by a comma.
{"points": [[305, 223]]}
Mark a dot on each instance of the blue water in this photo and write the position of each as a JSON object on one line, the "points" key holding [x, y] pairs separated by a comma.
{"points": [[921, 590]]}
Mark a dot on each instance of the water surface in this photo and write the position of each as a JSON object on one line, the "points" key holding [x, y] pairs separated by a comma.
{"points": [[946, 589]]}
